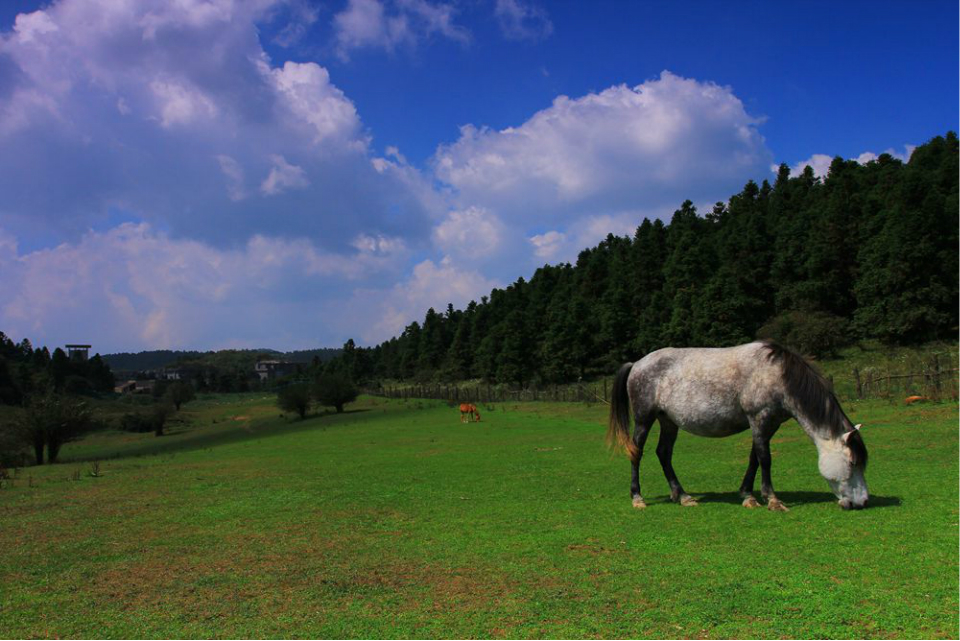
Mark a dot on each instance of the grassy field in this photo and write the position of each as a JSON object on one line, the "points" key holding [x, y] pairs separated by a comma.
{"points": [[395, 520]]}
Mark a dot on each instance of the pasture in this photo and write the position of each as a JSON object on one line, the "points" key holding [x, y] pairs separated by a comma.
{"points": [[396, 520]]}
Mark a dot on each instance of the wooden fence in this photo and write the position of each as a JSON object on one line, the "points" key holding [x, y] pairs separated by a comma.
{"points": [[933, 381], [594, 392]]}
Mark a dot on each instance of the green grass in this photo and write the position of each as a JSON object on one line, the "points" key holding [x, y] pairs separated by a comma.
{"points": [[395, 520]]}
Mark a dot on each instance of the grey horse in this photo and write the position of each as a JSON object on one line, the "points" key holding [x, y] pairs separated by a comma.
{"points": [[723, 391]]}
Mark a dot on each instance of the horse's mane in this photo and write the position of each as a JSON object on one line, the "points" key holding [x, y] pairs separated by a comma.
{"points": [[808, 389]]}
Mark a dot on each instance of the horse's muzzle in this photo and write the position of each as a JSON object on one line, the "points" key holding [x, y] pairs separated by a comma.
{"points": [[850, 505]]}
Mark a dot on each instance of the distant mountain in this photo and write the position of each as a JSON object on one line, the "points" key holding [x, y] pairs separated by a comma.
{"points": [[224, 359], [126, 361]]}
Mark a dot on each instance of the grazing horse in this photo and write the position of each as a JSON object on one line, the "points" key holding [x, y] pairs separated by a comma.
{"points": [[723, 391], [469, 409]]}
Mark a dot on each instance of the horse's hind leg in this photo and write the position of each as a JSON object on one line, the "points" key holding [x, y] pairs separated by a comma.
{"points": [[640, 433], [668, 436]]}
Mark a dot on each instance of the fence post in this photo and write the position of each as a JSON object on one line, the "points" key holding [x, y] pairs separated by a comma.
{"points": [[856, 376], [936, 375]]}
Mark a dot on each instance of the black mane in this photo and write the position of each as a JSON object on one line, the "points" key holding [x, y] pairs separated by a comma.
{"points": [[808, 389]]}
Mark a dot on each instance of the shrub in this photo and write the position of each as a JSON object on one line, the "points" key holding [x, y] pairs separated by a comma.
{"points": [[52, 420], [179, 393], [334, 390], [77, 385], [294, 398], [817, 334], [152, 420]]}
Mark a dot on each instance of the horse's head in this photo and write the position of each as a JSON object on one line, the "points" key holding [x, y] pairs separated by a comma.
{"points": [[842, 463]]}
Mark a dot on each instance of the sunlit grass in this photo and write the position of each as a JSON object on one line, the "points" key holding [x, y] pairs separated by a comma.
{"points": [[396, 520]]}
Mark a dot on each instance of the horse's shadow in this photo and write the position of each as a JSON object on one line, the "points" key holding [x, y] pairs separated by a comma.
{"points": [[795, 498]]}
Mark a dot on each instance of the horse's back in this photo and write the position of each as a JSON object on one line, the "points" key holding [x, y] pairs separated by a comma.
{"points": [[709, 391]]}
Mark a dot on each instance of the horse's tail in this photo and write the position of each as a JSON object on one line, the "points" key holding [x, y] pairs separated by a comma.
{"points": [[618, 429]]}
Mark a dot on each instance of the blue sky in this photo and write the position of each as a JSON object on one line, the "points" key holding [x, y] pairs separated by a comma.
{"points": [[285, 173]]}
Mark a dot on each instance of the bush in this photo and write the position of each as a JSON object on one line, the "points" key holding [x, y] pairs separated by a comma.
{"points": [[817, 334], [179, 393], [152, 420], [13, 448], [334, 390], [77, 385], [52, 420], [294, 398]]}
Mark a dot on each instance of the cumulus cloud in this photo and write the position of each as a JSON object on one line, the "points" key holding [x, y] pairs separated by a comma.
{"points": [[820, 163], [134, 288], [563, 246], [164, 110], [648, 147], [430, 285], [522, 21], [233, 174], [377, 25], [282, 225], [283, 176], [472, 234]]}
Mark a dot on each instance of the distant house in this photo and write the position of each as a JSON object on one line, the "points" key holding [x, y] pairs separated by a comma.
{"points": [[144, 387], [269, 369], [171, 373], [78, 352], [127, 387]]}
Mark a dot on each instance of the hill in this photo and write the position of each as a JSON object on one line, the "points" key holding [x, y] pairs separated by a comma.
{"points": [[225, 359]]}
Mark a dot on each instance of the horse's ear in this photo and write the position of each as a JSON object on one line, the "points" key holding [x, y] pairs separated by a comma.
{"points": [[846, 436], [858, 426]]}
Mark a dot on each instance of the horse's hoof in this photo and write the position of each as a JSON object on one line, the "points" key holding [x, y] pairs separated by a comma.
{"points": [[774, 505], [750, 502], [688, 501], [639, 503]]}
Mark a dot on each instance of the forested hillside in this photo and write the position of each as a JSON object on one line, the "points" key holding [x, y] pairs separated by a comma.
{"points": [[242, 359], [868, 252]]}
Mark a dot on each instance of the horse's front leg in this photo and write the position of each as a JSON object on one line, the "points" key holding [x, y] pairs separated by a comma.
{"points": [[668, 436], [746, 488], [640, 433], [762, 433]]}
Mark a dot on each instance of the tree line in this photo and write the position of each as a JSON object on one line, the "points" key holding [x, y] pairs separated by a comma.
{"points": [[869, 252], [26, 371]]}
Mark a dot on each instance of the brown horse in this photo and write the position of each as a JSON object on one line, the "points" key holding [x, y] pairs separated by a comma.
{"points": [[469, 409]]}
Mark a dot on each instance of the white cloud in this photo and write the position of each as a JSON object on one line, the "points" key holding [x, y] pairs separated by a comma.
{"points": [[134, 288], [162, 111], [179, 104], [283, 176], [558, 247], [233, 173], [520, 20], [649, 147], [311, 98], [470, 234], [369, 24], [430, 285], [28, 25]]}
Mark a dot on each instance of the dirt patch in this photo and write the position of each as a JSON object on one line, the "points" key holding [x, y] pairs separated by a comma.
{"points": [[593, 547]]}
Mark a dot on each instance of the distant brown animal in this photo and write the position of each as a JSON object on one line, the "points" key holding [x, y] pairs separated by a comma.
{"points": [[469, 409], [910, 400]]}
